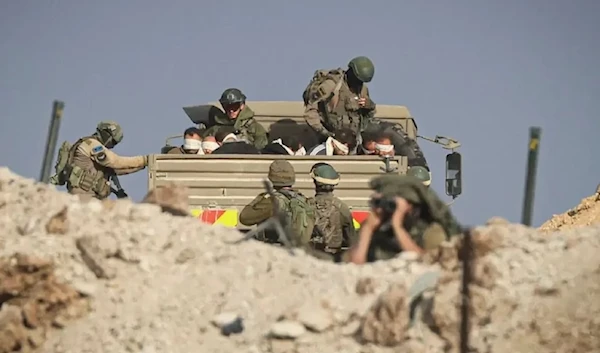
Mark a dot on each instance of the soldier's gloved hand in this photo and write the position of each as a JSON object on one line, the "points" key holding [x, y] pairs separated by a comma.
{"points": [[146, 160]]}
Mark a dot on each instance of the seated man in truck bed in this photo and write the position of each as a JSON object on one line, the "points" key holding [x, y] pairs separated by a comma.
{"points": [[288, 144], [192, 142], [239, 116], [342, 142], [230, 144]]}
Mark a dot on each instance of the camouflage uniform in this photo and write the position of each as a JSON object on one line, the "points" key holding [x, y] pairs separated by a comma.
{"points": [[427, 232], [245, 125], [331, 104], [283, 177], [334, 225], [90, 163]]}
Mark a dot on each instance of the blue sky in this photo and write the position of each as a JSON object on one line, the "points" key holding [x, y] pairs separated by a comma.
{"points": [[479, 71]]}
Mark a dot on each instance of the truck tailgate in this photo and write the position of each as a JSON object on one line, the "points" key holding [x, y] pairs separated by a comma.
{"points": [[221, 185]]}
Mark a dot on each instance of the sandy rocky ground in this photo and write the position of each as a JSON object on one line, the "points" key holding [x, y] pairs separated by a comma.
{"points": [[114, 276]]}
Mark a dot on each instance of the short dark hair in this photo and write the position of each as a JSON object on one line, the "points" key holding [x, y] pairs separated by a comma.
{"points": [[192, 131], [385, 136], [292, 141], [223, 132], [370, 135], [346, 136]]}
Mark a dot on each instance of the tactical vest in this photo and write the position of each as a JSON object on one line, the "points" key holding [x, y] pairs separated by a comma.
{"points": [[83, 173], [344, 111]]}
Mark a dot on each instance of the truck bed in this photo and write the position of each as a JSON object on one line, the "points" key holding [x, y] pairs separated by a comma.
{"points": [[221, 185]]}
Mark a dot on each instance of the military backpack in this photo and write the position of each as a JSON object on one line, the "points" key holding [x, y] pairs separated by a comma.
{"points": [[314, 92], [302, 217]]}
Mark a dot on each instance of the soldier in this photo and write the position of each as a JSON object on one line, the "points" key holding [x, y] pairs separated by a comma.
{"points": [[241, 117], [300, 213], [86, 166], [192, 142], [334, 225], [340, 98], [420, 173], [405, 216]]}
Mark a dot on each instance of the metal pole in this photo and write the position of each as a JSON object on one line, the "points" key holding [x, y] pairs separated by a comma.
{"points": [[57, 111], [534, 145], [465, 291]]}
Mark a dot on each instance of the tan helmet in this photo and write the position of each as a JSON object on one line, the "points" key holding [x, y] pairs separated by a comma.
{"points": [[110, 132], [281, 173]]}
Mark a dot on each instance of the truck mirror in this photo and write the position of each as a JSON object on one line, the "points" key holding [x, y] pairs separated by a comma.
{"points": [[453, 174]]}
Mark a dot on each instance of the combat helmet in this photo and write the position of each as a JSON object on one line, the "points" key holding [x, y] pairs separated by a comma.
{"points": [[281, 173], [324, 174], [363, 68], [110, 133], [232, 96], [420, 173]]}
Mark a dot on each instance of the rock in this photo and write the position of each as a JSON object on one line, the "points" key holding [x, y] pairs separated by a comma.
{"points": [[185, 255], [94, 259], [224, 319], [351, 328], [172, 199], [86, 289], [59, 223], [315, 318], [287, 329], [365, 286], [386, 322]]}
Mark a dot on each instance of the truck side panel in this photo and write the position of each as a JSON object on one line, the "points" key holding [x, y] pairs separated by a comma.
{"points": [[220, 186]]}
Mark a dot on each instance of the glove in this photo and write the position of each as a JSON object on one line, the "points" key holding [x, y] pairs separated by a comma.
{"points": [[146, 160]]}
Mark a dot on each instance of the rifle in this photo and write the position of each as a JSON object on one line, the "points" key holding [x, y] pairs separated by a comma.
{"points": [[119, 192], [278, 222]]}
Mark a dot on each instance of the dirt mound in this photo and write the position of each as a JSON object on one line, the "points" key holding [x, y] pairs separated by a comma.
{"points": [[33, 301], [161, 283], [585, 214]]}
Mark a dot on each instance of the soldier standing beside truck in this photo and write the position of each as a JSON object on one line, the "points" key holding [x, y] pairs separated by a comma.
{"points": [[241, 117], [334, 225], [299, 211], [340, 98], [87, 166]]}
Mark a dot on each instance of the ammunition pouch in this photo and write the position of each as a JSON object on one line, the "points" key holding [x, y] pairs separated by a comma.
{"points": [[89, 181]]}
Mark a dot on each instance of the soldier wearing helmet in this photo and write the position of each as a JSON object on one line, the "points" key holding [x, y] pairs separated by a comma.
{"points": [[421, 174], [334, 226], [339, 98], [297, 207], [239, 116], [405, 216], [90, 162]]}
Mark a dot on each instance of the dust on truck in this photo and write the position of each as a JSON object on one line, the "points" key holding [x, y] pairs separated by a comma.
{"points": [[221, 185]]}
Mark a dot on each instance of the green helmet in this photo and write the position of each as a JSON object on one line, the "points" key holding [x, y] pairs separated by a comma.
{"points": [[323, 173], [420, 173], [232, 96], [110, 133], [281, 173], [363, 68]]}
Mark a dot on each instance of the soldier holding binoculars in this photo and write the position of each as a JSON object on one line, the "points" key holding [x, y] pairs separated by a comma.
{"points": [[405, 216]]}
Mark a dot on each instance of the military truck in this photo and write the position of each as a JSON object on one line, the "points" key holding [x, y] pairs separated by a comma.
{"points": [[221, 185]]}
